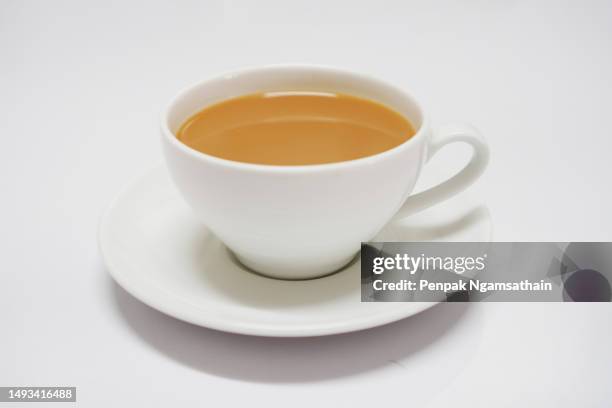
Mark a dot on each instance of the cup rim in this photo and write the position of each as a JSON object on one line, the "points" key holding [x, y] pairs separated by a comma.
{"points": [[171, 138]]}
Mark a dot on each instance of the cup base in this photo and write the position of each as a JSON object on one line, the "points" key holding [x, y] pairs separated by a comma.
{"points": [[312, 271]]}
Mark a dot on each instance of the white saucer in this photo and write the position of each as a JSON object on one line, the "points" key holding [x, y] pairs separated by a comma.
{"points": [[156, 250]]}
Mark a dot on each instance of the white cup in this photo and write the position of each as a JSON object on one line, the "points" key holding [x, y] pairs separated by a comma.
{"points": [[298, 222]]}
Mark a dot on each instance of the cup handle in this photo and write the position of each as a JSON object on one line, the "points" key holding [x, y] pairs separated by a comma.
{"points": [[480, 158]]}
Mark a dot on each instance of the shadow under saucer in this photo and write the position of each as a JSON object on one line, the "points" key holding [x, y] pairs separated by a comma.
{"points": [[286, 360]]}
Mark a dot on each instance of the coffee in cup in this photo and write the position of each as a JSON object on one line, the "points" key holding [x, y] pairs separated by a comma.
{"points": [[295, 128]]}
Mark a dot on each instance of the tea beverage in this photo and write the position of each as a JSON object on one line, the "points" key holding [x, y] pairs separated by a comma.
{"points": [[295, 128]]}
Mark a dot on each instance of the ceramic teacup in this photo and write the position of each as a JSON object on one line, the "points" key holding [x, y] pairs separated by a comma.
{"points": [[298, 222]]}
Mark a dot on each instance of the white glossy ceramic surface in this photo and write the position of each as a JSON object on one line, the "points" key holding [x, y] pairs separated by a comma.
{"points": [[157, 250], [297, 222]]}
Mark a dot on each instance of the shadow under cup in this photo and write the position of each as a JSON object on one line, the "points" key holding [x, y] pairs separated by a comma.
{"points": [[294, 222]]}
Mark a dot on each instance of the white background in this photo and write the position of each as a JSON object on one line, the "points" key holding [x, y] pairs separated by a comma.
{"points": [[81, 87]]}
